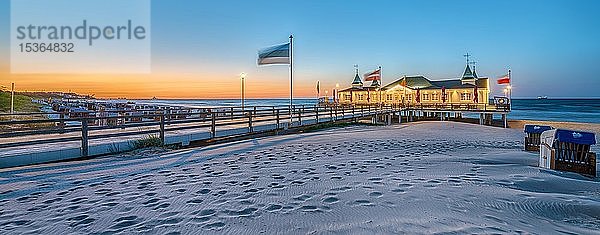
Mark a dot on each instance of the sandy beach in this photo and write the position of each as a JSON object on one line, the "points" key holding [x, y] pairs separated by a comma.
{"points": [[418, 178]]}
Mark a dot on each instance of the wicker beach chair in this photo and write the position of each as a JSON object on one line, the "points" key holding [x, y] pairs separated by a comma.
{"points": [[532, 140], [567, 150]]}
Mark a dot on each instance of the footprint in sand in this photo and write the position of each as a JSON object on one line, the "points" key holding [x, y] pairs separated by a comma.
{"points": [[341, 189], [278, 177], [194, 201], [170, 221], [298, 182], [200, 220], [124, 222], [361, 202], [80, 220], [53, 200], [203, 191], [162, 206], [273, 208], [215, 226], [276, 185], [309, 208], [109, 204], [151, 202], [331, 200], [241, 213]]}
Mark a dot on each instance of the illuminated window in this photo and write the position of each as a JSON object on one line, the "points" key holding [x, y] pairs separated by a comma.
{"points": [[425, 97], [465, 96]]}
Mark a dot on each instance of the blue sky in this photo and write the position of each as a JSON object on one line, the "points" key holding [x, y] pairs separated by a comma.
{"points": [[552, 47]]}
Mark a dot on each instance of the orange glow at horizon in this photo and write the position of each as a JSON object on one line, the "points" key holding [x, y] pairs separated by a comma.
{"points": [[165, 86]]}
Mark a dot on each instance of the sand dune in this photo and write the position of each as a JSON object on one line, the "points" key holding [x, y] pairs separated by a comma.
{"points": [[428, 177]]}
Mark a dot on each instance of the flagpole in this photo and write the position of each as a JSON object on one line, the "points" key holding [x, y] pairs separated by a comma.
{"points": [[380, 84], [291, 78], [510, 89]]}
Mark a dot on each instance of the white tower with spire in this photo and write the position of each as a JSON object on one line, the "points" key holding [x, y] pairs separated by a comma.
{"points": [[357, 82]]}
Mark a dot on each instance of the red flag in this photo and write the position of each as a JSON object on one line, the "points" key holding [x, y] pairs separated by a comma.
{"points": [[443, 94], [372, 76], [504, 79], [418, 97], [475, 95]]}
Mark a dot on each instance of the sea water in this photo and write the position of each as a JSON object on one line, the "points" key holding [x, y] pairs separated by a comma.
{"points": [[569, 110]]}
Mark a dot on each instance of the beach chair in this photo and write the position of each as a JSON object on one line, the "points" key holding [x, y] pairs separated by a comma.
{"points": [[567, 150], [532, 140]]}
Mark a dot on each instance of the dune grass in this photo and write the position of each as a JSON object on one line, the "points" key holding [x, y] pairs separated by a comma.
{"points": [[22, 103], [148, 141]]}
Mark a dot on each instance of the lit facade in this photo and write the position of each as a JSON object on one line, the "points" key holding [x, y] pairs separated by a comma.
{"points": [[406, 89]]}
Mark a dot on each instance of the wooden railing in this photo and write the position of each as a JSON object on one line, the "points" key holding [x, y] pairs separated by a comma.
{"points": [[475, 107], [95, 125]]}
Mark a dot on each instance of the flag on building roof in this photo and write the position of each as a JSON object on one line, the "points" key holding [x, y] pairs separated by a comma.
{"points": [[278, 54], [373, 76], [505, 79]]}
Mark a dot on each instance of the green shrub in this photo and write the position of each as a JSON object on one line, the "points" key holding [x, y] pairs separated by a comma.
{"points": [[151, 140]]}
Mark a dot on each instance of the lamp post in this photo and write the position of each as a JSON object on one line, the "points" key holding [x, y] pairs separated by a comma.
{"points": [[337, 88], [243, 76], [12, 98]]}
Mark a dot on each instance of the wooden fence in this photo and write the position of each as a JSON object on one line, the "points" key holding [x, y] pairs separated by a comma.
{"points": [[161, 122]]}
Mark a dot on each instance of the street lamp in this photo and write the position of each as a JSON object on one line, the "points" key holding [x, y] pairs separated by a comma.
{"points": [[335, 94], [243, 76]]}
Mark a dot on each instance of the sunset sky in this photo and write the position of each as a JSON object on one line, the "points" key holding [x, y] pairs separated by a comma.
{"points": [[199, 48]]}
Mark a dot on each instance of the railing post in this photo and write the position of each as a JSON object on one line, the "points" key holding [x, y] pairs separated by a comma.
{"points": [[277, 119], [250, 130], [169, 117], [62, 120], [213, 128], [336, 112], [84, 138], [231, 113], [317, 113], [300, 115], [162, 128], [331, 114]]}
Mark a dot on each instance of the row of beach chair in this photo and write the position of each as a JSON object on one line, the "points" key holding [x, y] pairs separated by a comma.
{"points": [[563, 150]]}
